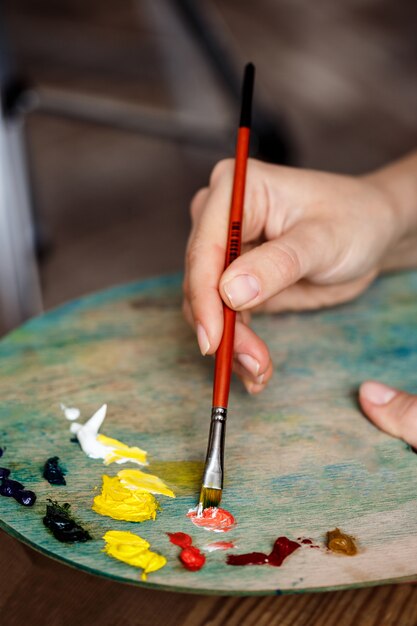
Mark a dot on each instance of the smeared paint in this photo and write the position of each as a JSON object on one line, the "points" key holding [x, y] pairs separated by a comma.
{"points": [[133, 550], [180, 539], [53, 472], [215, 519], [136, 479], [283, 547], [122, 503], [219, 545], [13, 489], [190, 556], [62, 525], [339, 542], [184, 476], [70, 412], [97, 446]]}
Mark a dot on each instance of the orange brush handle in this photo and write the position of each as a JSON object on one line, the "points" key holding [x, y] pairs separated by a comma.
{"points": [[224, 354]]}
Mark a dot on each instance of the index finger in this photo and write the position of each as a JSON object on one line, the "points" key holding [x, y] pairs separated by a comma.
{"points": [[204, 266]]}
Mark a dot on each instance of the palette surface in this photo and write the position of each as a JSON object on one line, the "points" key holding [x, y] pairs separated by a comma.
{"points": [[301, 459]]}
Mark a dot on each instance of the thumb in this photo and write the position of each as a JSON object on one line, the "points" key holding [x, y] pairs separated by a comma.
{"points": [[268, 269], [391, 410]]}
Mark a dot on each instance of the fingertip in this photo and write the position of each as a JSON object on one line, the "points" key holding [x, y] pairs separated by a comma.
{"points": [[203, 340]]}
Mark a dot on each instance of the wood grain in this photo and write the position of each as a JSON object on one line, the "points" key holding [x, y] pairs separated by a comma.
{"points": [[301, 459]]}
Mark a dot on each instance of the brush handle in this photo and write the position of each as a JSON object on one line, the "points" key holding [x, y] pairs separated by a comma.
{"points": [[224, 354]]}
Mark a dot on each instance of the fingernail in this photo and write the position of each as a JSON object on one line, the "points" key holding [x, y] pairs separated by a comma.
{"points": [[241, 290], [249, 363], [252, 388], [378, 393], [203, 340]]}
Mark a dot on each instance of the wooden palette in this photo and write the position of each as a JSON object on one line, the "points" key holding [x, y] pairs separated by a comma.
{"points": [[300, 459]]}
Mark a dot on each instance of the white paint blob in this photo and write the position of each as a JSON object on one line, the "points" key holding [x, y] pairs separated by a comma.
{"points": [[97, 446], [87, 435], [70, 412]]}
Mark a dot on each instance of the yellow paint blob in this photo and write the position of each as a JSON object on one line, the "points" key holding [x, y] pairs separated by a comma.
{"points": [[132, 549], [135, 479], [120, 452], [119, 502]]}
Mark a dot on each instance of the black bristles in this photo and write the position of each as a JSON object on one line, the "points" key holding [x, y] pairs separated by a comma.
{"points": [[247, 91]]}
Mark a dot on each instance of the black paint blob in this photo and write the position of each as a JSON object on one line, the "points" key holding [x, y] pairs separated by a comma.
{"points": [[25, 497], [13, 489], [63, 527], [10, 488], [1, 451], [53, 473]]}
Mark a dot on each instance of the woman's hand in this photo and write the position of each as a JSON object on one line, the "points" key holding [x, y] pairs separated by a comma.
{"points": [[310, 240]]}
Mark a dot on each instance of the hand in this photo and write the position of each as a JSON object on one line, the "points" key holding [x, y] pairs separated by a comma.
{"points": [[393, 411], [310, 239]]}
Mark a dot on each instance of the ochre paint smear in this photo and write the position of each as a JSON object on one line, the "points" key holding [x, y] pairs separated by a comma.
{"points": [[215, 519], [119, 502], [283, 547], [134, 550], [184, 476], [339, 542]]}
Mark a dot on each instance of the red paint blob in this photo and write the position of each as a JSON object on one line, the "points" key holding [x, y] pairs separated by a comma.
{"points": [[283, 547], [308, 541], [192, 558], [213, 518], [220, 545], [180, 539]]}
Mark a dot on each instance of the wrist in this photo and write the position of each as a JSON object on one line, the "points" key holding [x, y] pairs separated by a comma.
{"points": [[397, 184]]}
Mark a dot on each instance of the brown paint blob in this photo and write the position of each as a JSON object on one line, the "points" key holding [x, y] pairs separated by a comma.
{"points": [[339, 542]]}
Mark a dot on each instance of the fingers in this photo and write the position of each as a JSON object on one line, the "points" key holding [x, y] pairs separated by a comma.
{"points": [[306, 296], [393, 411], [252, 361], [206, 248], [268, 269]]}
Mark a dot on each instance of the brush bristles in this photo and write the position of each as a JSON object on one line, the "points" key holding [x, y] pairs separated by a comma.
{"points": [[209, 497]]}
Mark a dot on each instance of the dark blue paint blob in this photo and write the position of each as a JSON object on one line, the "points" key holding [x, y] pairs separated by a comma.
{"points": [[4, 472], [63, 527], [53, 473], [25, 497], [10, 488]]}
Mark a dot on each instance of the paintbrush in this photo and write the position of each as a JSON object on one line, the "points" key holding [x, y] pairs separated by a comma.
{"points": [[211, 490]]}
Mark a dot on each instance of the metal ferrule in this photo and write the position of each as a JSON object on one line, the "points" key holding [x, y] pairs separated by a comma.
{"points": [[213, 474]]}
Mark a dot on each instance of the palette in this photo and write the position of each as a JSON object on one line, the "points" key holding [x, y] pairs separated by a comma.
{"points": [[300, 459]]}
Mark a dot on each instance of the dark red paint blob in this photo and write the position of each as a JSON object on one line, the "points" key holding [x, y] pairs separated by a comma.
{"points": [[307, 541], [283, 547], [192, 558], [180, 539], [252, 558]]}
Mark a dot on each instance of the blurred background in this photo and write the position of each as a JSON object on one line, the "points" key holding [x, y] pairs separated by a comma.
{"points": [[117, 112]]}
